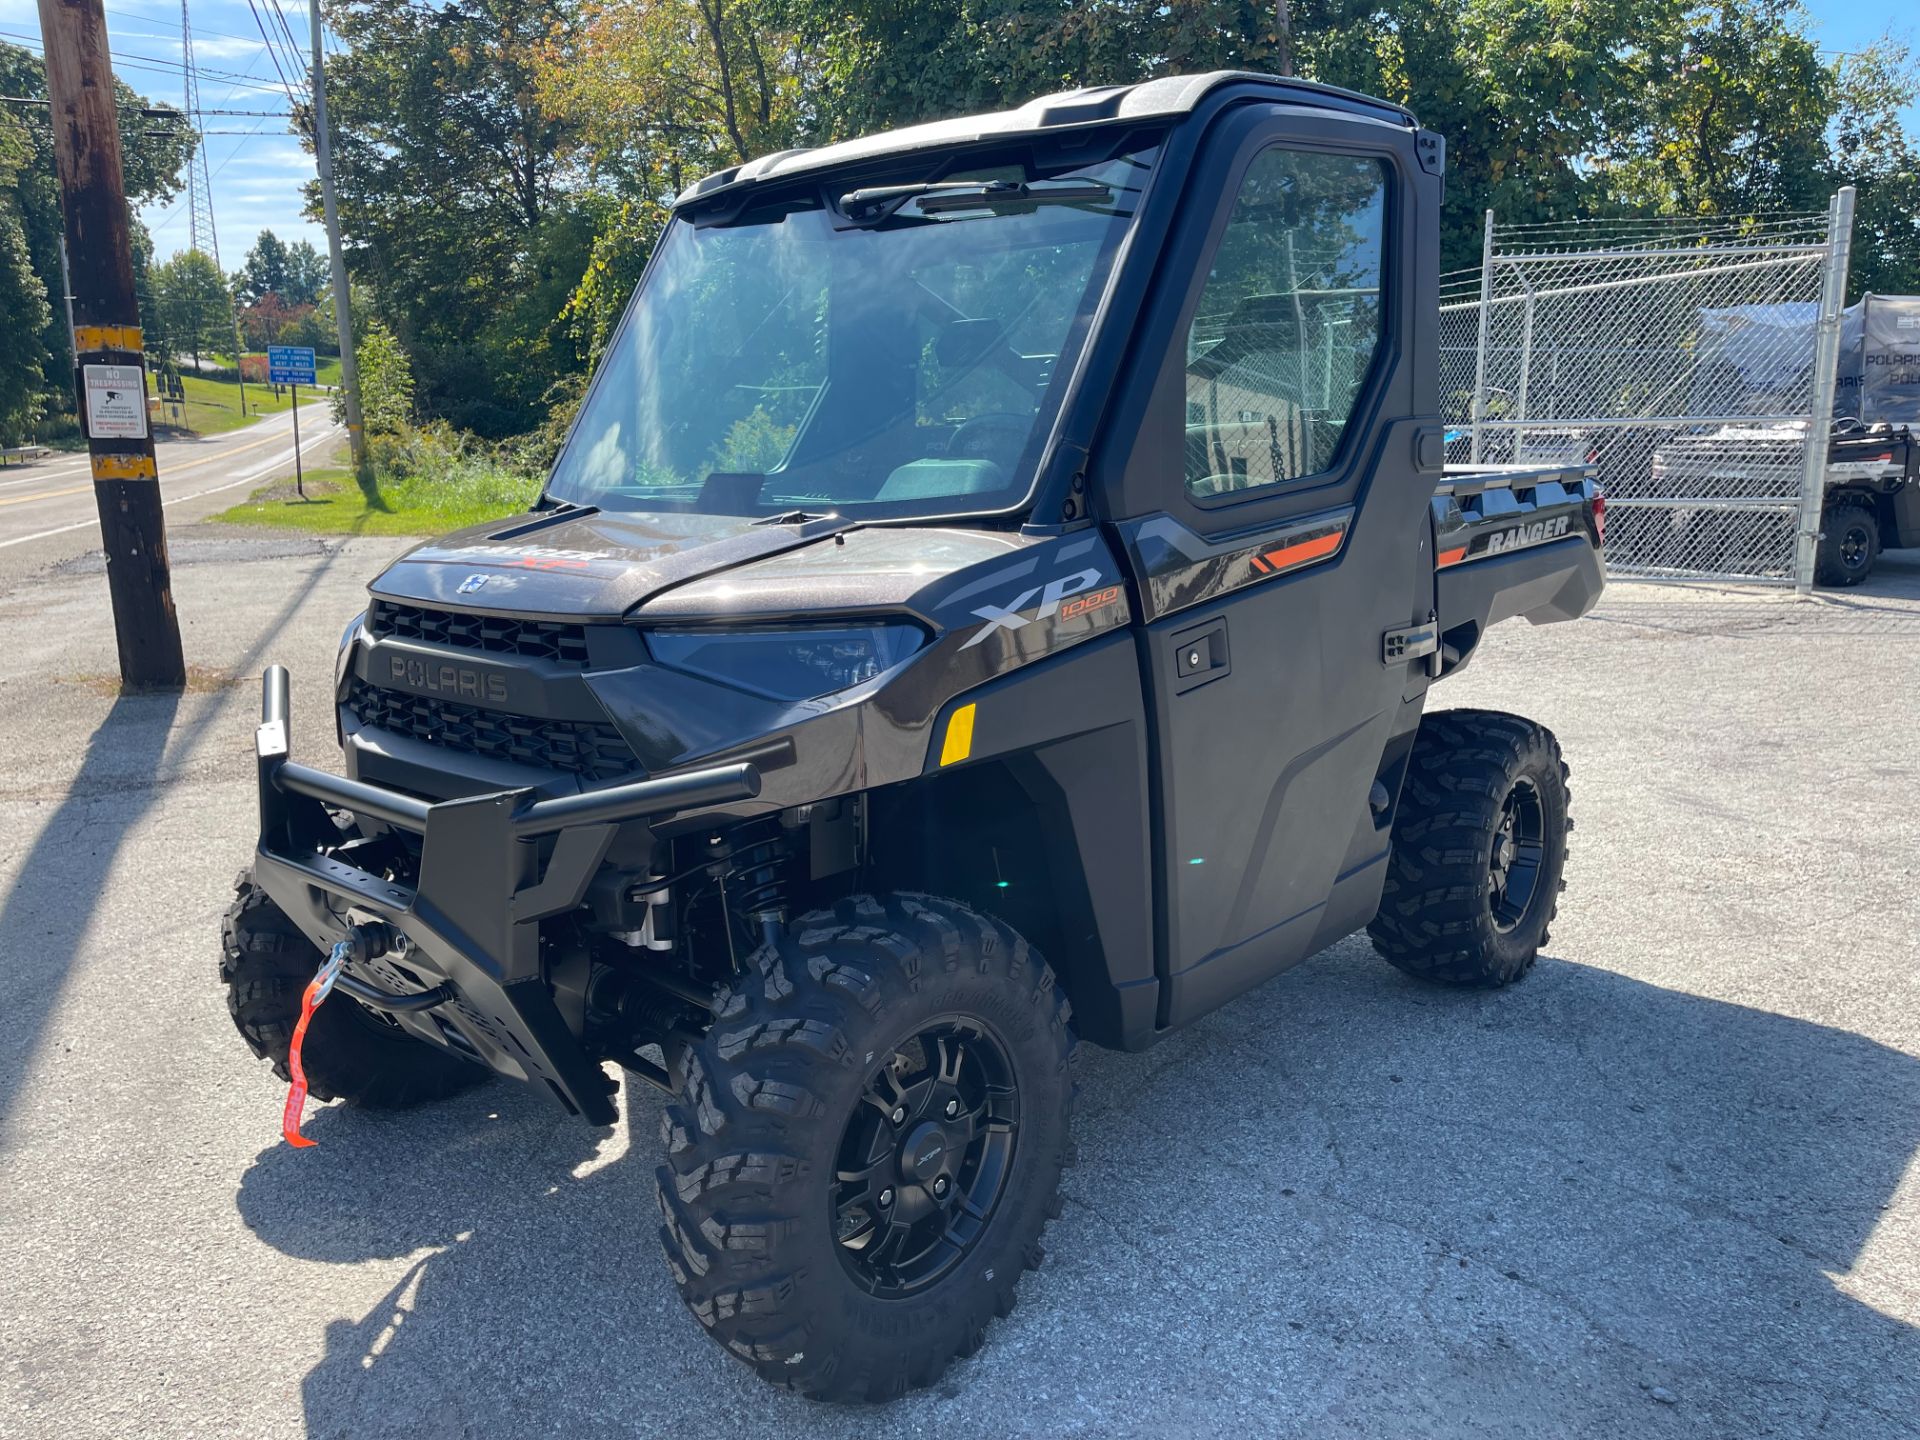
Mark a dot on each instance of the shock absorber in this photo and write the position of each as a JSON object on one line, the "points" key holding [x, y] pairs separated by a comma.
{"points": [[755, 881]]}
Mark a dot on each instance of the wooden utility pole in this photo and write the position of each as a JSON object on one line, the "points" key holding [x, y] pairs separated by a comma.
{"points": [[109, 365], [342, 300]]}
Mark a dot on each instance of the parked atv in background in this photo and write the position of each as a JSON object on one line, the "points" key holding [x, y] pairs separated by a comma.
{"points": [[989, 597], [1872, 500]]}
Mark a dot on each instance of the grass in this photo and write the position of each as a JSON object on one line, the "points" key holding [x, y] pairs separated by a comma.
{"points": [[467, 492], [213, 406]]}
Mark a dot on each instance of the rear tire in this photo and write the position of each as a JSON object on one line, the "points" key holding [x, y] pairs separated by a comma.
{"points": [[350, 1053], [1849, 544], [1479, 844], [867, 1144]]}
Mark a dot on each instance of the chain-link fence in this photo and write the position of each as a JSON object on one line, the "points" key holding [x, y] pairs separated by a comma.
{"points": [[1692, 362]]}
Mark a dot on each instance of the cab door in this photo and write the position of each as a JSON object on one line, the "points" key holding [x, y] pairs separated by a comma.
{"points": [[1274, 509]]}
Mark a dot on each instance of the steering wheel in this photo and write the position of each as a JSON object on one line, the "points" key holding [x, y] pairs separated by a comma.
{"points": [[996, 435]]}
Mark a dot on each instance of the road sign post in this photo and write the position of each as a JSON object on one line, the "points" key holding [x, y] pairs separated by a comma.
{"points": [[293, 366]]}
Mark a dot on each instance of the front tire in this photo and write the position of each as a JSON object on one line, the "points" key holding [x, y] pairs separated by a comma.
{"points": [[350, 1053], [867, 1144], [1479, 844]]}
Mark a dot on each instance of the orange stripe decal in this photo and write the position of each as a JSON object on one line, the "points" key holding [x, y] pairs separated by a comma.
{"points": [[1302, 551], [1453, 557]]}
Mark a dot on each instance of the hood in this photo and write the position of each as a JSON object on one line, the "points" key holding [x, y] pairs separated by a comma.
{"points": [[584, 564], [908, 567]]}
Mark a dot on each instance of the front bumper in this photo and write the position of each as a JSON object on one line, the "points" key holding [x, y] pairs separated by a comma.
{"points": [[492, 867]]}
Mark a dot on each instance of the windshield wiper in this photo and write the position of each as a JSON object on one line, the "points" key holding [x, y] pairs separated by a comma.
{"points": [[935, 197]]}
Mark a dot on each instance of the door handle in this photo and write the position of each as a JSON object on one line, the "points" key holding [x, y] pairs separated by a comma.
{"points": [[1200, 655]]}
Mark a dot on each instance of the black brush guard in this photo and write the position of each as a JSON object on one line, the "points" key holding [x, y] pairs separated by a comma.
{"points": [[472, 924]]}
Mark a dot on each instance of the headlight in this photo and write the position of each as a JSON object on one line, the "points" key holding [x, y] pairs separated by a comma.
{"points": [[784, 662]]}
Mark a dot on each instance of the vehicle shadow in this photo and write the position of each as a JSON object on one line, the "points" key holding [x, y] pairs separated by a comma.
{"points": [[1346, 1204]]}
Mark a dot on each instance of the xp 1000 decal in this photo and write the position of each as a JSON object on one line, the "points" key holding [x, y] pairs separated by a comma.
{"points": [[1065, 596]]}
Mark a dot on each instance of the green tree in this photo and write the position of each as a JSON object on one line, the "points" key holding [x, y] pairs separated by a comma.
{"points": [[307, 277], [450, 170], [386, 382], [194, 302], [1734, 120], [23, 299], [153, 324], [658, 95], [1552, 109], [154, 154], [1873, 151], [265, 271], [310, 328]]}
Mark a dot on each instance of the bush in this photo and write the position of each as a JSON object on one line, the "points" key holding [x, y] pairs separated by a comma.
{"points": [[55, 426], [386, 384], [435, 467], [253, 369]]}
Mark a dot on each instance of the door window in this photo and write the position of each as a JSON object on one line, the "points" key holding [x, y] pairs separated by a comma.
{"points": [[1288, 324]]}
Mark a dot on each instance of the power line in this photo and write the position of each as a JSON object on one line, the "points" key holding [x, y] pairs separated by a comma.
{"points": [[286, 31], [167, 34], [272, 53], [156, 63], [152, 64]]}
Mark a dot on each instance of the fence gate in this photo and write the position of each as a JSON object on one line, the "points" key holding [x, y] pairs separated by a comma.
{"points": [[1692, 361]]}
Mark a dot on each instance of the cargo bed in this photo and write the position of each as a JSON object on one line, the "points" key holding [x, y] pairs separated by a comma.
{"points": [[1513, 540]]}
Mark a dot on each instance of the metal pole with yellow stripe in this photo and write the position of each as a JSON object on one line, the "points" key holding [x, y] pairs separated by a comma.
{"points": [[109, 365]]}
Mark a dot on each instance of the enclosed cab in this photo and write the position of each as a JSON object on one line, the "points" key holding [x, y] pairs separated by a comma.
{"points": [[990, 595]]}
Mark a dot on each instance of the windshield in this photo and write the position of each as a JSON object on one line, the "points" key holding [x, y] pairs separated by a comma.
{"points": [[910, 364]]}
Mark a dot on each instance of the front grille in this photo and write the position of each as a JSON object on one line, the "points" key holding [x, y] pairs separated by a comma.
{"points": [[590, 750], [555, 640]]}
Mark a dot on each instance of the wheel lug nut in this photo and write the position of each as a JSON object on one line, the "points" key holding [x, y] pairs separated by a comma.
{"points": [[953, 1108], [940, 1187], [899, 1116], [886, 1198]]}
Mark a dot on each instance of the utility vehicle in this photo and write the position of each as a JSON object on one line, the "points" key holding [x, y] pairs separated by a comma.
{"points": [[1020, 536], [1871, 499]]}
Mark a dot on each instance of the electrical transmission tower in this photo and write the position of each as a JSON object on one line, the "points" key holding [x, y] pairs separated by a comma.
{"points": [[201, 236]]}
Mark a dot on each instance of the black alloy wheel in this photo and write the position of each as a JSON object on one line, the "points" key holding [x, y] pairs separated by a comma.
{"points": [[867, 1144], [1856, 545], [1519, 848], [1479, 844], [1849, 544], [925, 1158]]}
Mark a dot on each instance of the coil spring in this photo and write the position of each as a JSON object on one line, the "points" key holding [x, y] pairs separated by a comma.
{"points": [[756, 876]]}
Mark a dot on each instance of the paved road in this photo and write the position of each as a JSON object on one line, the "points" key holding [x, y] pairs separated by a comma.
{"points": [[47, 508], [1664, 1187]]}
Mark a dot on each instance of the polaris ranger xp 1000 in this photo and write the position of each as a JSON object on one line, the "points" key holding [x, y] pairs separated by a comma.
{"points": [[989, 597]]}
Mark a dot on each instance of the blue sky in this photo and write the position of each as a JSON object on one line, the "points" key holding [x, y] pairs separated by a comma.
{"points": [[1845, 25], [257, 175]]}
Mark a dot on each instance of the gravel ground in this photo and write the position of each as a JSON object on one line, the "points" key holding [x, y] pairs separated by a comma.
{"points": [[1663, 1187]]}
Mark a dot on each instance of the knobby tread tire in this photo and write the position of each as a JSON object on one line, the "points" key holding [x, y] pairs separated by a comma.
{"points": [[1829, 568], [1435, 919], [753, 1134], [349, 1053]]}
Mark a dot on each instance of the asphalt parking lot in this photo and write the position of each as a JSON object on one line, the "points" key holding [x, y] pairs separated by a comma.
{"points": [[1665, 1186]]}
